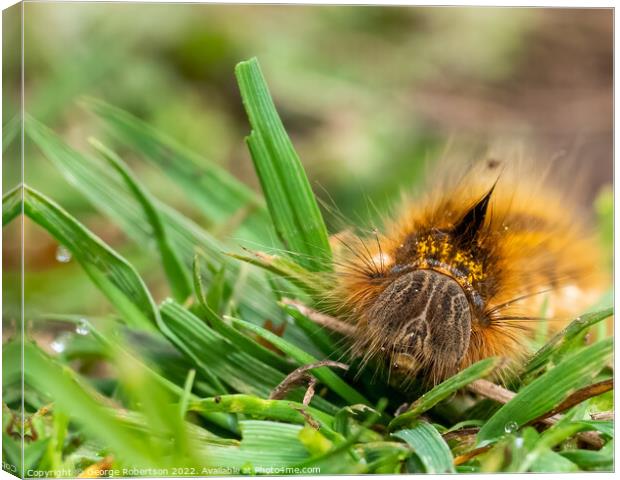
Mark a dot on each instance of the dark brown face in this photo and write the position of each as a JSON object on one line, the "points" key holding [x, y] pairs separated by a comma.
{"points": [[422, 320]]}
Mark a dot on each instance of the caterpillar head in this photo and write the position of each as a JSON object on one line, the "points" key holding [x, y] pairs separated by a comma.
{"points": [[421, 321], [417, 317]]}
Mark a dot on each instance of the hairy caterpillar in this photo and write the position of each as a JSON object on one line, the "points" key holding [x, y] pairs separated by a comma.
{"points": [[460, 274]]}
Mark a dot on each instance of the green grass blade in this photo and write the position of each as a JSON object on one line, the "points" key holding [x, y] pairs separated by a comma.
{"points": [[321, 337], [243, 342], [114, 276], [444, 390], [218, 194], [281, 410], [283, 440], [69, 395], [11, 204], [108, 338], [342, 458], [10, 131], [108, 193], [563, 338], [173, 267], [548, 390], [541, 455], [290, 199], [216, 297], [310, 282], [324, 374], [592, 460], [215, 355], [429, 446]]}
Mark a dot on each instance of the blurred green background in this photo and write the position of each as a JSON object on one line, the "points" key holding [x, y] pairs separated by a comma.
{"points": [[370, 96]]}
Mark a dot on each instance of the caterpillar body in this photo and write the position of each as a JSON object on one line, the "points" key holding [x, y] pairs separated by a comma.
{"points": [[460, 274]]}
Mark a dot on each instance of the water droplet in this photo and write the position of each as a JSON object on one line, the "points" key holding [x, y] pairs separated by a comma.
{"points": [[511, 427], [505, 227], [82, 328], [63, 255], [519, 442]]}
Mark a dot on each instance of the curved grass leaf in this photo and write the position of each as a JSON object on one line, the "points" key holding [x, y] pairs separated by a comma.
{"points": [[541, 457], [108, 339], [429, 446], [216, 355], [10, 131], [61, 385], [114, 276], [109, 193], [244, 342], [444, 390], [265, 446], [548, 390], [11, 204], [563, 338], [290, 199], [174, 269], [312, 283], [324, 374], [602, 460], [318, 334]]}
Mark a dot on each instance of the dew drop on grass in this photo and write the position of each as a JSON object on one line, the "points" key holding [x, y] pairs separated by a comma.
{"points": [[511, 427], [63, 255], [82, 328]]}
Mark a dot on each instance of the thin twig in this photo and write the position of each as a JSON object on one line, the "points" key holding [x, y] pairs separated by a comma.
{"points": [[326, 321], [491, 390], [578, 397], [311, 421], [310, 391], [502, 395], [299, 377], [602, 416], [461, 433]]}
